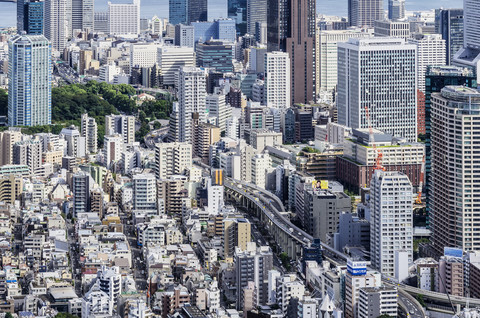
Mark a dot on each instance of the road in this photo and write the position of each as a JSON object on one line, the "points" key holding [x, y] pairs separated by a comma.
{"points": [[412, 309], [66, 72], [156, 136]]}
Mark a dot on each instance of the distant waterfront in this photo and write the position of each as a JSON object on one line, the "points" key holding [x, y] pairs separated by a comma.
{"points": [[160, 8]]}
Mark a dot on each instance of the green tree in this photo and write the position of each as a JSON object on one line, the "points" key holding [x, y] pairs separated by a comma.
{"points": [[3, 102], [65, 315], [8, 315]]}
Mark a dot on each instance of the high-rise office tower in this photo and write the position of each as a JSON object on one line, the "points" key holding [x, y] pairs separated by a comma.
{"points": [[121, 124], [449, 23], [197, 11], [33, 17], [178, 11], [56, 26], [469, 55], [327, 56], [81, 187], [391, 223], [30, 76], [436, 78], [396, 9], [256, 13], [291, 29], [365, 12], [455, 119], [191, 99], [124, 18], [88, 130], [389, 90], [430, 51], [20, 15], [277, 80], [82, 15]]}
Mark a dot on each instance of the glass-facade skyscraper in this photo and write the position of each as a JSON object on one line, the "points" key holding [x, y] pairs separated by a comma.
{"points": [[30, 85], [33, 17], [449, 23], [178, 12]]}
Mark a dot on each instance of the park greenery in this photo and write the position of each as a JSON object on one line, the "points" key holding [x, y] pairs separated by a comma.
{"points": [[98, 99]]}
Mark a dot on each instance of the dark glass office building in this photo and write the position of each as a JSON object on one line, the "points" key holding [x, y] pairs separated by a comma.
{"points": [[291, 29], [215, 54], [449, 23], [34, 17], [197, 11]]}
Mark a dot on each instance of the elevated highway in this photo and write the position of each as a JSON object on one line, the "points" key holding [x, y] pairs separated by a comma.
{"points": [[270, 210]]}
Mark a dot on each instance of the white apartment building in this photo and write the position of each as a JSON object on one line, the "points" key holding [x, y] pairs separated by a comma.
{"points": [[89, 130], [431, 50], [377, 301], [113, 147], [121, 124], [388, 90], [391, 222], [171, 59], [191, 99], [327, 55], [218, 109], [124, 18], [76, 144], [261, 164], [96, 303], [288, 287], [215, 198], [108, 72], [172, 158], [277, 80], [144, 193]]}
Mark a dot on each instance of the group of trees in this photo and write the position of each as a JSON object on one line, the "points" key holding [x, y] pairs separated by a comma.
{"points": [[98, 99]]}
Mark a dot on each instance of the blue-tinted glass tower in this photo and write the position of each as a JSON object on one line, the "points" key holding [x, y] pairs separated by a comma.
{"points": [[178, 10]]}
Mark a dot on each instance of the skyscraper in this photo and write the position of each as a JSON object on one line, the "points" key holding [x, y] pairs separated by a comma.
{"points": [[256, 13], [396, 9], [88, 130], [436, 78], [124, 18], [449, 23], [33, 17], [277, 80], [30, 84], [389, 90], [365, 12], [391, 223], [191, 99], [455, 120], [430, 51], [197, 10], [177, 11], [82, 15], [20, 15], [57, 27], [291, 29]]}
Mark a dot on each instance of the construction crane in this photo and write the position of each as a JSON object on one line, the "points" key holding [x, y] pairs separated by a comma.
{"points": [[420, 186], [379, 156]]}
